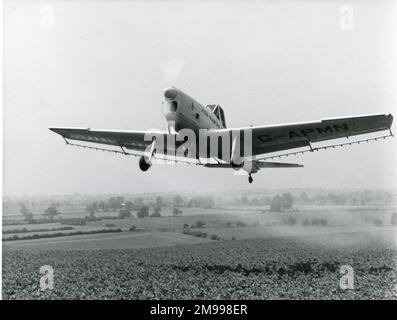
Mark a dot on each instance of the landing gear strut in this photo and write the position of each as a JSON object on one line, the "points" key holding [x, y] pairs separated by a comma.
{"points": [[250, 178]]}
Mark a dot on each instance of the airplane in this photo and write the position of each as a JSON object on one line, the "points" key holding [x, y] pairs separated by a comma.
{"points": [[246, 148]]}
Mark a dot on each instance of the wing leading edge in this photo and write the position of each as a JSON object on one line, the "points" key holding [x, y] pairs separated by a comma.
{"points": [[268, 139]]}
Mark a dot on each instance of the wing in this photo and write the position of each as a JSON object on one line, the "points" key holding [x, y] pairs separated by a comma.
{"points": [[137, 141], [133, 140], [266, 139], [269, 139]]}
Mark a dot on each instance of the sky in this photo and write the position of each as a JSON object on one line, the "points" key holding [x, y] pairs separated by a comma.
{"points": [[104, 64]]}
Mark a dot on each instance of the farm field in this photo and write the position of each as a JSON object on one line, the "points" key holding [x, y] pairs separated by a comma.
{"points": [[296, 267], [152, 238], [80, 212], [120, 240], [223, 222], [258, 256]]}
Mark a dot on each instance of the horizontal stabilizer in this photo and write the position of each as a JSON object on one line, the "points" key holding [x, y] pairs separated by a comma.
{"points": [[267, 164], [218, 165], [258, 164]]}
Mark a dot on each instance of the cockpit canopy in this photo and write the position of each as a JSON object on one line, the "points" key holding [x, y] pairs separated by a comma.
{"points": [[218, 112]]}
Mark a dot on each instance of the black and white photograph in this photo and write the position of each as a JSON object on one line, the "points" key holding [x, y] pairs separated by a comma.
{"points": [[199, 150]]}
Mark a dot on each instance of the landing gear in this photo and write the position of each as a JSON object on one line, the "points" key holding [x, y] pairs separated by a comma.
{"points": [[250, 179], [143, 165]]}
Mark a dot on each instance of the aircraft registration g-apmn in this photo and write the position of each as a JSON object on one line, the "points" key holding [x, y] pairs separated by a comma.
{"points": [[198, 135]]}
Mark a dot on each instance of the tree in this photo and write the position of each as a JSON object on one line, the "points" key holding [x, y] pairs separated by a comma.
{"points": [[103, 206], [156, 212], [138, 202], [143, 211], [276, 204], [129, 205], [208, 202], [160, 201], [178, 201], [115, 203], [51, 212], [190, 203], [124, 213], [26, 213], [280, 203], [201, 202], [304, 198], [176, 212], [290, 221], [393, 220], [198, 224], [287, 200], [214, 237], [92, 208], [336, 199]]}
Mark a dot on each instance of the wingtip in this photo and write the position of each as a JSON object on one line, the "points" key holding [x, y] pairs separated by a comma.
{"points": [[391, 119], [61, 131], [54, 129]]}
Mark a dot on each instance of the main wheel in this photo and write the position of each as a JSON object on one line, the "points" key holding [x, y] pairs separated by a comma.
{"points": [[143, 165], [250, 179]]}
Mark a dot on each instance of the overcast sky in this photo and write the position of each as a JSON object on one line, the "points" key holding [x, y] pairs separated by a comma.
{"points": [[104, 64]]}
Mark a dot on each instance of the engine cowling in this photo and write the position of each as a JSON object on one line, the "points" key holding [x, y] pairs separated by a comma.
{"points": [[143, 164]]}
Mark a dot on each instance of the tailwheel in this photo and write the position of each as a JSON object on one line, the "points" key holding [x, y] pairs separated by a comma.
{"points": [[250, 179]]}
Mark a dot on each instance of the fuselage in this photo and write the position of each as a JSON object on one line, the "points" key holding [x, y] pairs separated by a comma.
{"points": [[184, 112]]}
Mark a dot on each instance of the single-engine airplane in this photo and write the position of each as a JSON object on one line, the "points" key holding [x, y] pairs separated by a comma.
{"points": [[245, 148]]}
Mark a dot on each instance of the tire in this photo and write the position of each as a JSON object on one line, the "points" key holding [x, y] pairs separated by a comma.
{"points": [[143, 165]]}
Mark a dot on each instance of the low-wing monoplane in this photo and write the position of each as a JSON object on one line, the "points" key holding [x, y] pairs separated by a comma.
{"points": [[197, 134]]}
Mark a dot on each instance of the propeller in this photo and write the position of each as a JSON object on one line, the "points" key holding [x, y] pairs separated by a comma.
{"points": [[171, 71]]}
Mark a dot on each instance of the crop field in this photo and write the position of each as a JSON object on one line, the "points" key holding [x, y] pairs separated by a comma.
{"points": [[295, 267], [120, 240], [255, 255]]}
